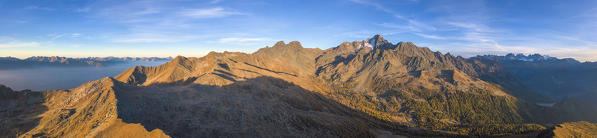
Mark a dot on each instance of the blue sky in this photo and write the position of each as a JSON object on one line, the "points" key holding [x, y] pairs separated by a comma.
{"points": [[78, 28]]}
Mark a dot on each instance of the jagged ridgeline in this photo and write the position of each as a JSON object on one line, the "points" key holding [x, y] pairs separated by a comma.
{"points": [[357, 89], [399, 83]]}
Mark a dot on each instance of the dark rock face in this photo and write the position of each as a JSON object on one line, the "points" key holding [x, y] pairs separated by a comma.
{"points": [[19, 111]]}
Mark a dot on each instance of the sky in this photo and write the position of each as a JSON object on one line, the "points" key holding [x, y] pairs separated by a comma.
{"points": [[141, 28]]}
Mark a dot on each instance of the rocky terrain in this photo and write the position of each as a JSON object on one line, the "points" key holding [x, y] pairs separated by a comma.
{"points": [[572, 130], [369, 88]]}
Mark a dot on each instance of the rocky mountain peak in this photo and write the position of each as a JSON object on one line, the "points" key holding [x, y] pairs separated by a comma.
{"points": [[279, 43], [180, 60], [377, 41], [531, 58], [293, 44]]}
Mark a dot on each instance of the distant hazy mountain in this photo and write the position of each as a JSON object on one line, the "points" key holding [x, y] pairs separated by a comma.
{"points": [[552, 77], [369, 88], [570, 83], [54, 61], [559, 79]]}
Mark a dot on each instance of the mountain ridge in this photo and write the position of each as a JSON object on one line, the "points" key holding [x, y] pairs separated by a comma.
{"points": [[56, 61], [399, 65], [357, 89]]}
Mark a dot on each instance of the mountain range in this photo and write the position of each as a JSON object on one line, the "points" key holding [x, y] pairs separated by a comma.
{"points": [[555, 78], [369, 88], [55, 61]]}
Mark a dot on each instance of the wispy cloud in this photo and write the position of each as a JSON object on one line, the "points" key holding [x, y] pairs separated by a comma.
{"points": [[208, 13], [357, 34], [591, 13], [411, 24], [159, 21], [581, 51], [55, 36], [7, 42], [582, 54], [153, 38], [392, 25], [470, 26], [75, 35], [242, 40], [39, 8], [83, 9], [216, 1], [465, 25], [378, 6], [430, 36], [420, 26], [18, 44], [127, 12]]}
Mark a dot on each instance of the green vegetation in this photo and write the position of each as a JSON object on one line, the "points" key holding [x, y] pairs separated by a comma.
{"points": [[475, 112]]}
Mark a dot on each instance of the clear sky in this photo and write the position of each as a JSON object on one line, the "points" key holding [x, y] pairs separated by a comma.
{"points": [[78, 28]]}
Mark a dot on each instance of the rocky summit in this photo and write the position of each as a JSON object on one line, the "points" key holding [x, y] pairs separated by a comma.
{"points": [[369, 88]]}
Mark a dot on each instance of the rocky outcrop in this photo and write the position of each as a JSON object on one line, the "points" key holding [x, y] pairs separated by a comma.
{"points": [[86, 111]]}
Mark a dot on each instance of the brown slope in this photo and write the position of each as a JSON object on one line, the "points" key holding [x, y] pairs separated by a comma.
{"points": [[257, 107], [397, 83], [85, 111], [290, 62], [404, 61], [357, 89], [572, 130], [407, 81]]}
